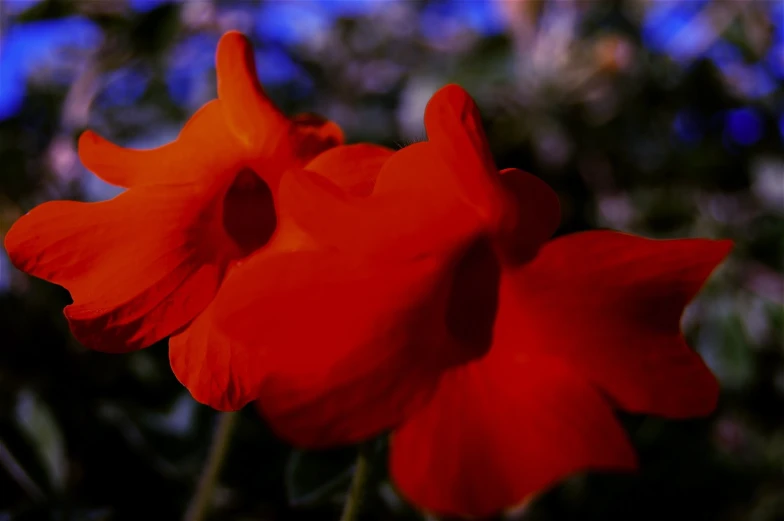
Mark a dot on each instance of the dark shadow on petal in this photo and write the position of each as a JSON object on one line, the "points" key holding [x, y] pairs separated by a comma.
{"points": [[249, 211], [473, 300]]}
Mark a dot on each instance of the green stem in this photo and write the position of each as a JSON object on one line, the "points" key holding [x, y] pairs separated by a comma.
{"points": [[358, 484], [201, 500]]}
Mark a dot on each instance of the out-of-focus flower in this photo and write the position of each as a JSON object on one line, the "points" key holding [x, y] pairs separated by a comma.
{"points": [[680, 29], [443, 21], [5, 277], [744, 126], [146, 5], [307, 21], [768, 183], [613, 53], [38, 47], [124, 86], [688, 126], [781, 126], [775, 54], [144, 264], [445, 312], [191, 61]]}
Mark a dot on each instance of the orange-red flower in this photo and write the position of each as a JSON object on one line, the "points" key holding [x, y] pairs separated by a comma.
{"points": [[352, 290], [426, 297], [143, 265]]}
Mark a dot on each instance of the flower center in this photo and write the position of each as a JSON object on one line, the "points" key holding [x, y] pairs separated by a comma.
{"points": [[249, 212]]}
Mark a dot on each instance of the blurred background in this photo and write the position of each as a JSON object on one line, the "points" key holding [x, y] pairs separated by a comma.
{"points": [[663, 118]]}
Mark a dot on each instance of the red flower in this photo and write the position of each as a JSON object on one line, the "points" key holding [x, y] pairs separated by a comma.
{"points": [[425, 296], [143, 265]]}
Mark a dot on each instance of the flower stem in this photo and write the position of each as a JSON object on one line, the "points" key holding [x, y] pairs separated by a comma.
{"points": [[200, 502], [358, 484]]}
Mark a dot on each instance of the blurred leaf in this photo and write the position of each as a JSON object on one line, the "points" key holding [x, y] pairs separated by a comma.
{"points": [[15, 470], [59, 514], [736, 348], [100, 514], [314, 476], [144, 367], [178, 421], [765, 239], [39, 425], [135, 436], [155, 30], [47, 9], [724, 335]]}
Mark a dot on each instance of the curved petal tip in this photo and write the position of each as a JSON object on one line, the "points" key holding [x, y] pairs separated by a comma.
{"points": [[105, 159], [233, 44], [250, 114]]}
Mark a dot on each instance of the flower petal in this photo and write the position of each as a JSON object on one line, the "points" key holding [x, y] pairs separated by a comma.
{"points": [[336, 350], [609, 305], [134, 271], [255, 120], [538, 214], [593, 313], [454, 126], [214, 369], [314, 135], [353, 168], [403, 219], [203, 147], [501, 429], [454, 129]]}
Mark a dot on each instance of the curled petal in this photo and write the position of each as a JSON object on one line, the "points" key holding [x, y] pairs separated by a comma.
{"points": [[454, 130], [609, 305], [140, 266], [131, 267], [353, 168], [120, 166], [249, 112], [314, 134], [454, 126], [203, 148], [402, 220], [217, 371], [538, 213]]}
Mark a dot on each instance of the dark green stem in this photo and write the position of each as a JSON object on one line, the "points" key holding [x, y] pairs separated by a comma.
{"points": [[200, 503], [358, 484]]}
